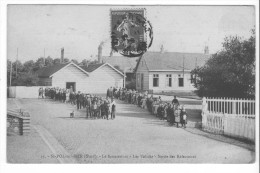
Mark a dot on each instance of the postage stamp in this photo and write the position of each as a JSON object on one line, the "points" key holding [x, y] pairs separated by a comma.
{"points": [[131, 32]]}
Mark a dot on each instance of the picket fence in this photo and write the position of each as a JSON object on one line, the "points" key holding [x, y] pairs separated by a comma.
{"points": [[229, 116]]}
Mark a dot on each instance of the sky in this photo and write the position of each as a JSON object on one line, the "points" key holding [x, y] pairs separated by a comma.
{"points": [[81, 28]]}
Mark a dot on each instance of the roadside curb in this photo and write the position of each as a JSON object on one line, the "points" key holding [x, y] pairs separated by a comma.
{"points": [[221, 138]]}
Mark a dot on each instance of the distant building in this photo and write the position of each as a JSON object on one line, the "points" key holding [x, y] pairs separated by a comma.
{"points": [[89, 79], [125, 64], [167, 71]]}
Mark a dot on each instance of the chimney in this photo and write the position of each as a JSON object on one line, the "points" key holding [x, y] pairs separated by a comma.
{"points": [[206, 50], [162, 49], [100, 47], [62, 56]]}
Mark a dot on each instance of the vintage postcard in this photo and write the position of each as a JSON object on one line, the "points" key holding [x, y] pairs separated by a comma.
{"points": [[132, 84]]}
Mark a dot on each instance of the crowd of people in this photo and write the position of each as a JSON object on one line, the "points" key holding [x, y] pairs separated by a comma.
{"points": [[102, 107], [173, 112], [96, 107]]}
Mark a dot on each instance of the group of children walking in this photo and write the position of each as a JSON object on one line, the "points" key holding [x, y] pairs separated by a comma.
{"points": [[96, 107], [173, 112], [101, 108]]}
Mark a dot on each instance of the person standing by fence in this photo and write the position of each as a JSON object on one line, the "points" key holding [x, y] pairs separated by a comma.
{"points": [[177, 113], [183, 117]]}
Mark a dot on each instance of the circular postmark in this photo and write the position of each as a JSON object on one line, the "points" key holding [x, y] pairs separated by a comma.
{"points": [[131, 33]]}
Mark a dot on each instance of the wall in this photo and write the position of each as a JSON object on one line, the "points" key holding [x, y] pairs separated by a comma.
{"points": [[24, 91], [96, 82], [142, 69], [103, 78], [70, 74], [175, 82]]}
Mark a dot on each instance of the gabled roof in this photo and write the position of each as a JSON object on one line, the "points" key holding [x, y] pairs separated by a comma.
{"points": [[173, 61], [123, 62], [48, 71], [91, 67]]}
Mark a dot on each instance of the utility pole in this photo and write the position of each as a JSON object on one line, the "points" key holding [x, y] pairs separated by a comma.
{"points": [[124, 79], [196, 63], [44, 57], [11, 74], [183, 67], [16, 63]]}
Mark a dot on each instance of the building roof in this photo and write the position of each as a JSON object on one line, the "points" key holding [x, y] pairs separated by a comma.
{"points": [[91, 67], [123, 62], [170, 61], [48, 71]]}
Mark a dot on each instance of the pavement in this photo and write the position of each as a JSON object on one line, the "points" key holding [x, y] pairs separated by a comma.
{"points": [[135, 136]]}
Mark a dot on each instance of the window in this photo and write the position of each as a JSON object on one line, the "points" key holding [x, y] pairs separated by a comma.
{"points": [[181, 81], [168, 80], [156, 80]]}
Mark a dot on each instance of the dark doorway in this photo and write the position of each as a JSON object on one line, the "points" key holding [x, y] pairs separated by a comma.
{"points": [[181, 83], [71, 85]]}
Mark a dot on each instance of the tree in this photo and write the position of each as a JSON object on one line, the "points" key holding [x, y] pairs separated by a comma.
{"points": [[85, 62], [39, 64], [48, 61], [66, 60], [230, 72], [56, 61], [25, 79], [75, 61], [28, 66]]}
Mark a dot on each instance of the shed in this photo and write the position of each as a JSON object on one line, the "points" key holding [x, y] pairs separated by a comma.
{"points": [[95, 78]]}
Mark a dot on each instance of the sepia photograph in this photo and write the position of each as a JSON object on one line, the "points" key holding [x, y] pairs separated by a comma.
{"points": [[131, 84]]}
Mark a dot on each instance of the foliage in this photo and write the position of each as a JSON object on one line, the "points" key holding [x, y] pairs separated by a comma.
{"points": [[230, 72], [27, 71]]}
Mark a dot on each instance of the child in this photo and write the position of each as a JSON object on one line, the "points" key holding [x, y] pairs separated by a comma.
{"points": [[95, 109], [183, 117], [177, 113]]}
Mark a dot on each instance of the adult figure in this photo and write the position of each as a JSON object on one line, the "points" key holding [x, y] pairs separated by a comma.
{"points": [[40, 93], [175, 101], [113, 109], [88, 107], [170, 113], [78, 100], [107, 108], [107, 92]]}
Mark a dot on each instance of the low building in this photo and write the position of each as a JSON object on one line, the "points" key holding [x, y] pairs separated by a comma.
{"points": [[126, 65], [89, 79], [167, 71]]}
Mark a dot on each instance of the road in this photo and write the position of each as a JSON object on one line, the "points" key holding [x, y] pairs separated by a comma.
{"points": [[134, 136]]}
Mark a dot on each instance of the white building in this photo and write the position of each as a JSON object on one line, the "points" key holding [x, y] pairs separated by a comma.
{"points": [[89, 79], [167, 71]]}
